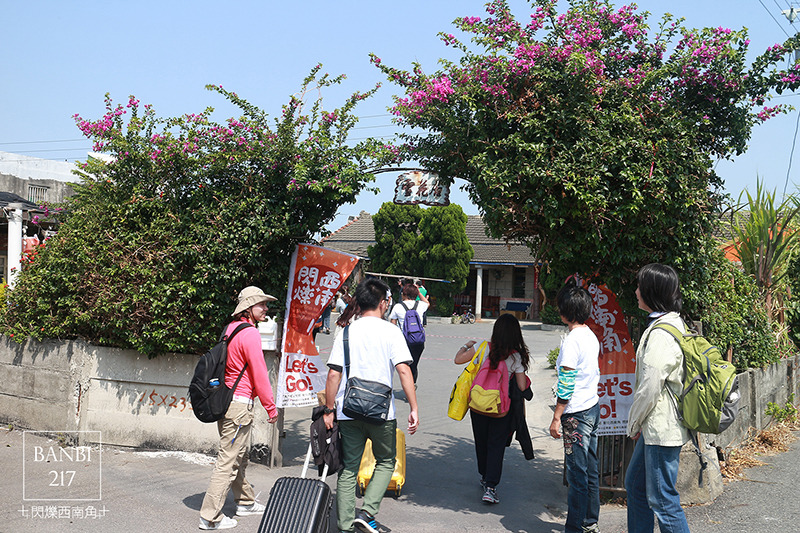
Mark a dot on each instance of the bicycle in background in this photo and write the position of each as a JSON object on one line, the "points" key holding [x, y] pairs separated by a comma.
{"points": [[466, 316]]}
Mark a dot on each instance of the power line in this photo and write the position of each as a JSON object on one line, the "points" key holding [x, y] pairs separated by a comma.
{"points": [[43, 142], [372, 127], [791, 154], [773, 18], [52, 150], [394, 136]]}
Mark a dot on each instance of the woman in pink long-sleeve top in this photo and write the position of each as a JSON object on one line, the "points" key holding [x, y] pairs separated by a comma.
{"points": [[244, 351]]}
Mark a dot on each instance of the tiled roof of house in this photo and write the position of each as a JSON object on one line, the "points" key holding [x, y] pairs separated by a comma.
{"points": [[489, 250], [723, 231], [357, 234], [353, 237]]}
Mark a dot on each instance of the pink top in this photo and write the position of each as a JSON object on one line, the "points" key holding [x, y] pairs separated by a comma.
{"points": [[246, 346]]}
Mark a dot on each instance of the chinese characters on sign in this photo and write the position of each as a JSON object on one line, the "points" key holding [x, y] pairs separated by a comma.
{"points": [[316, 274], [617, 361], [418, 187], [49, 512]]}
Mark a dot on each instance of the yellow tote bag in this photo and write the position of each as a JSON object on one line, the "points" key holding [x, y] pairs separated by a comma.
{"points": [[459, 397]]}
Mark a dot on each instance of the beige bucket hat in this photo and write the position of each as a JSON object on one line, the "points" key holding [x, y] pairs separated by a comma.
{"points": [[250, 296]]}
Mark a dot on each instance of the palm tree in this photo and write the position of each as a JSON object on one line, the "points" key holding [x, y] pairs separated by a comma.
{"points": [[764, 242]]}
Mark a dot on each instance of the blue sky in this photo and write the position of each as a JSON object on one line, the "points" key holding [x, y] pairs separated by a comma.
{"points": [[60, 58]]}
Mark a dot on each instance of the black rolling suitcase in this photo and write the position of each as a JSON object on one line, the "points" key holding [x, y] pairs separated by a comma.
{"points": [[298, 504]]}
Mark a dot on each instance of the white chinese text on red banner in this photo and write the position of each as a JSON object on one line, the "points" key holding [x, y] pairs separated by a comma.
{"points": [[617, 360], [316, 274]]}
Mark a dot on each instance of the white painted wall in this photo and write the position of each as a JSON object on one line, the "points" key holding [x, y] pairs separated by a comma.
{"points": [[23, 166]]}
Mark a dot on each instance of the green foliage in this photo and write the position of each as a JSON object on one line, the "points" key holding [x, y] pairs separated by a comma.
{"points": [[765, 242], [587, 138], [730, 309], [156, 244], [552, 357], [396, 248], [787, 413], [444, 253], [429, 242], [549, 315], [793, 304]]}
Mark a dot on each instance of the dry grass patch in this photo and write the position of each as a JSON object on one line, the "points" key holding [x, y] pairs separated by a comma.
{"points": [[770, 441]]}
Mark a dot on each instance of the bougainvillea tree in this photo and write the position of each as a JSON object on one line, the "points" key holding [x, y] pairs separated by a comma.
{"points": [[157, 242], [588, 135]]}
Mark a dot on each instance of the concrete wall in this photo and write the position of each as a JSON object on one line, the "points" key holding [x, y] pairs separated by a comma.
{"points": [[56, 190], [132, 400], [759, 387]]}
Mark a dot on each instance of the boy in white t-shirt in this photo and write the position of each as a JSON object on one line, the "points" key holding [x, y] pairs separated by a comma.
{"points": [[577, 410]]}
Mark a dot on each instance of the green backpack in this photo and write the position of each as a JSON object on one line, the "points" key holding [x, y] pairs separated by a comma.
{"points": [[709, 400]]}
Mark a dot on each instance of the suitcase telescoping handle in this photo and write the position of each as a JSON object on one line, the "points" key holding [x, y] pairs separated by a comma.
{"points": [[308, 461]]}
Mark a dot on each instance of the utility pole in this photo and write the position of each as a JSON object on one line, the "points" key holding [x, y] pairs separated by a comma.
{"points": [[791, 14]]}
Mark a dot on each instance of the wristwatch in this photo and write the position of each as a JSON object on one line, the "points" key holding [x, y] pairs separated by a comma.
{"points": [[327, 410]]}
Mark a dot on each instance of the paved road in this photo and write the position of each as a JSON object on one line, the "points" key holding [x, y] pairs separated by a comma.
{"points": [[147, 492]]}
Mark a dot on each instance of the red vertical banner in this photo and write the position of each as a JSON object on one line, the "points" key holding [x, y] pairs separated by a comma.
{"points": [[617, 360], [316, 273]]}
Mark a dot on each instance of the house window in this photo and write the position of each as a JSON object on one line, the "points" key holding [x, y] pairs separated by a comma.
{"points": [[37, 194], [518, 290]]}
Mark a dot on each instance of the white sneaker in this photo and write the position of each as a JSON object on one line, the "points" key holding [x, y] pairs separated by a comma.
{"points": [[225, 523], [253, 508]]}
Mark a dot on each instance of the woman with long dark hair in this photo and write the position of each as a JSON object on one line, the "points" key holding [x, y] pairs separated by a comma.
{"points": [[490, 433], [653, 418]]}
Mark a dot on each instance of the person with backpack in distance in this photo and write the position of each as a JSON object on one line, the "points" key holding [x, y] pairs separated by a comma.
{"points": [[408, 315], [246, 358], [423, 295], [490, 400], [577, 411], [653, 419], [374, 349]]}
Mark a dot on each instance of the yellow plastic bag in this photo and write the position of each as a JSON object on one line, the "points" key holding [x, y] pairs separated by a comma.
{"points": [[459, 397]]}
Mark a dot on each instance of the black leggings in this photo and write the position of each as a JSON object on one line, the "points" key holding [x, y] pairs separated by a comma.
{"points": [[416, 354], [491, 435]]}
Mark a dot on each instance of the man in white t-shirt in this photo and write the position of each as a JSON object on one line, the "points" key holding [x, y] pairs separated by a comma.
{"points": [[377, 349], [577, 411], [409, 295]]}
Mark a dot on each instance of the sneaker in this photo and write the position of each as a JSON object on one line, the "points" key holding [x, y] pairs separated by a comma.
{"points": [[247, 510], [225, 523], [594, 528], [490, 495], [366, 522]]}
